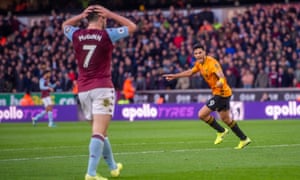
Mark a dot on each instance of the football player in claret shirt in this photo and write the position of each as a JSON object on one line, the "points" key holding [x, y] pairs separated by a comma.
{"points": [[212, 73], [46, 87], [93, 51]]}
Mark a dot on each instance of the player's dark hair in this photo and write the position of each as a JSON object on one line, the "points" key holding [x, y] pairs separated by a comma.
{"points": [[198, 46], [45, 72], [93, 16]]}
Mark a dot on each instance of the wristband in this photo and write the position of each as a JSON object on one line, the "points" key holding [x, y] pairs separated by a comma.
{"points": [[222, 80]]}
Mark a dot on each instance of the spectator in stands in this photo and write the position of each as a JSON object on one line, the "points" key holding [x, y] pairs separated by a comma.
{"points": [[128, 88], [20, 82], [247, 78], [183, 83], [140, 82], [234, 70], [297, 74], [2, 82], [5, 28], [261, 80], [217, 24], [75, 91], [71, 75], [231, 78], [26, 100], [151, 80], [206, 27], [265, 97], [290, 77], [160, 99], [273, 75], [129, 67], [178, 39], [35, 87], [9, 77], [119, 78], [196, 81], [182, 57], [256, 35]]}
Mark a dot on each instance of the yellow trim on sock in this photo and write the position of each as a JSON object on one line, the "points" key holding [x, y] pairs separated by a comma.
{"points": [[210, 120], [232, 124]]}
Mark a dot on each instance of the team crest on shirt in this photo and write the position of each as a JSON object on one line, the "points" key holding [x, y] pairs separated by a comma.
{"points": [[106, 102]]}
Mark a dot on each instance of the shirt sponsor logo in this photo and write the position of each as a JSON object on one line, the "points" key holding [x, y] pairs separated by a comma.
{"points": [[276, 111], [147, 111], [11, 113]]}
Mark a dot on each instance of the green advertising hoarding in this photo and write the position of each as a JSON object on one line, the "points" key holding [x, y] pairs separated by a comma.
{"points": [[8, 99]]}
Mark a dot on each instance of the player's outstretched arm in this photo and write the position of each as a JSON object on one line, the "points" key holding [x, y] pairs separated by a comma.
{"points": [[75, 19], [186, 73], [120, 19]]}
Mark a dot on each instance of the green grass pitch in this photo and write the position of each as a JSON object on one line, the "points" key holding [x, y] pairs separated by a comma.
{"points": [[152, 150]]}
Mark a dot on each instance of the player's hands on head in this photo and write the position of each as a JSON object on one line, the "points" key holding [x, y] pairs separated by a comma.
{"points": [[86, 12], [102, 11]]}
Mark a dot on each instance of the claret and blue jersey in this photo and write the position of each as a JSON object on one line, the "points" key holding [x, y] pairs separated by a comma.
{"points": [[94, 68], [44, 87]]}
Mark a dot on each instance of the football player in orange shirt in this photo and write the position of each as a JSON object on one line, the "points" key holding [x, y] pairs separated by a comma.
{"points": [[212, 73]]}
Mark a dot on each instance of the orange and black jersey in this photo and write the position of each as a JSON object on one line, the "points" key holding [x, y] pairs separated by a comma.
{"points": [[208, 71]]}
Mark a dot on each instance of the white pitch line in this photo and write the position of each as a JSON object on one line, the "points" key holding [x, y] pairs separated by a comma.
{"points": [[39, 148], [72, 147], [150, 152], [41, 158]]}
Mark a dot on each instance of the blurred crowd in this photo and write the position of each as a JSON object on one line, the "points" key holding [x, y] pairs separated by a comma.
{"points": [[258, 48]]}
